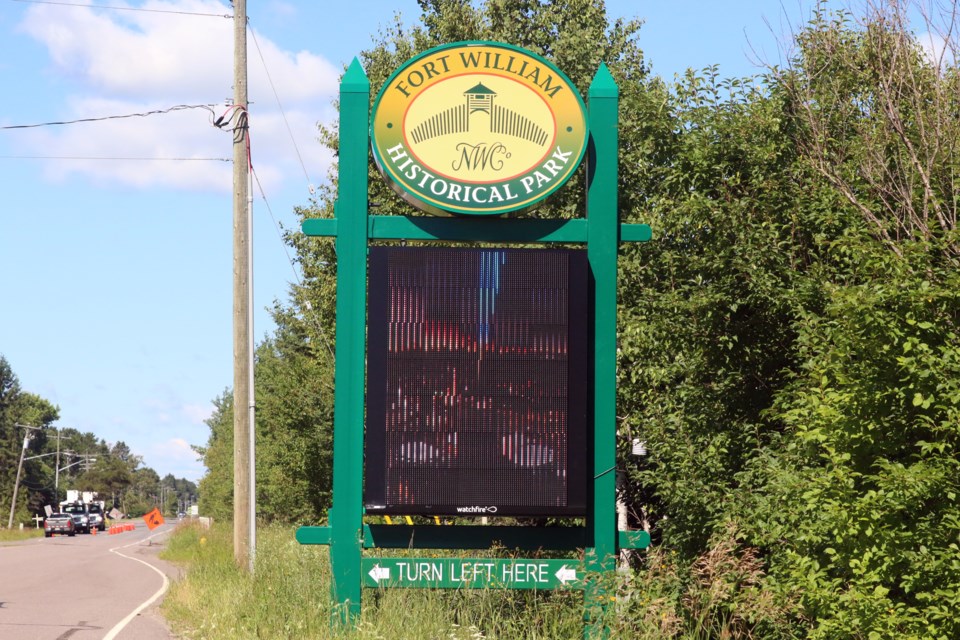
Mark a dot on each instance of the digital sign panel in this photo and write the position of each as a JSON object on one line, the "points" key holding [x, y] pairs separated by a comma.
{"points": [[478, 380]]}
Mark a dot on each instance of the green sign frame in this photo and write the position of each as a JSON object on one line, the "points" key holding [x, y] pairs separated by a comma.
{"points": [[353, 228]]}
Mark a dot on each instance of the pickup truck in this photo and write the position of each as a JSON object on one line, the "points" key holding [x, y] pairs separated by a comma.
{"points": [[95, 519], [59, 523], [78, 511]]}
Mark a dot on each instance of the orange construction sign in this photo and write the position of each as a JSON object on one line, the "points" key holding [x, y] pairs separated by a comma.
{"points": [[153, 519]]}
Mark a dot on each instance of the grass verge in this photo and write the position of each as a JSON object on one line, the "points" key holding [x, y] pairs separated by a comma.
{"points": [[15, 535], [721, 595], [290, 598]]}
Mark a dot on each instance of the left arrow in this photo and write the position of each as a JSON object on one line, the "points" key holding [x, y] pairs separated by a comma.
{"points": [[379, 573], [565, 575]]}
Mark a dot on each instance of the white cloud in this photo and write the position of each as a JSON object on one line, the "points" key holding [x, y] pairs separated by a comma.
{"points": [[123, 62], [177, 448], [167, 407], [174, 456], [281, 9], [197, 413]]}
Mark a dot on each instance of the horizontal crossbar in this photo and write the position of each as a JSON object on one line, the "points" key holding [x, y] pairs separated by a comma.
{"points": [[385, 536], [475, 229]]}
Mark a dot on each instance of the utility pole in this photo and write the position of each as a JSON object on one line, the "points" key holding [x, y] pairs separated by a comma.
{"points": [[56, 481], [244, 478], [16, 483], [87, 460]]}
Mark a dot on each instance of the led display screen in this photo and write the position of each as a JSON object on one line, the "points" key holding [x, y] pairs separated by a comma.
{"points": [[478, 379]]}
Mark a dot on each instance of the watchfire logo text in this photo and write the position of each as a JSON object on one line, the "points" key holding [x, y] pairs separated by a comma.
{"points": [[476, 509]]}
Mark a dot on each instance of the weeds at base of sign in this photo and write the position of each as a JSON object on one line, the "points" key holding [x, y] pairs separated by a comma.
{"points": [[290, 597]]}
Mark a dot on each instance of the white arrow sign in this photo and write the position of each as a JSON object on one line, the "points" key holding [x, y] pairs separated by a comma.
{"points": [[379, 573], [565, 575]]}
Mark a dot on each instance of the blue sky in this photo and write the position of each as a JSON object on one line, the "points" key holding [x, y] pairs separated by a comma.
{"points": [[115, 235]]}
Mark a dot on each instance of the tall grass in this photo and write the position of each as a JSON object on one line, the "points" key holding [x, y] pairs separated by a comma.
{"points": [[722, 596], [13, 535], [289, 597]]}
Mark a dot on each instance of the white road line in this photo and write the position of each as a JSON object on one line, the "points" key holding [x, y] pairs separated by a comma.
{"points": [[133, 614]]}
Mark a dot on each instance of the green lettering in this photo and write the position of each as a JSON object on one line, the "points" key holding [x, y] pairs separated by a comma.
{"points": [[548, 88], [471, 59]]}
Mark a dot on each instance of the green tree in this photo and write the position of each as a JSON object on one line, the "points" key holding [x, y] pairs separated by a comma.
{"points": [[110, 477], [21, 407], [84, 462], [78, 449], [11, 440], [877, 119], [868, 464], [295, 410], [142, 495], [789, 338], [216, 486], [37, 482], [176, 494]]}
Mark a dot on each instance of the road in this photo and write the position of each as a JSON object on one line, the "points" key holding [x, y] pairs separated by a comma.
{"points": [[89, 586]]}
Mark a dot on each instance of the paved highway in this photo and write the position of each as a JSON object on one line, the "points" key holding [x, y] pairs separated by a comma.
{"points": [[89, 586]]}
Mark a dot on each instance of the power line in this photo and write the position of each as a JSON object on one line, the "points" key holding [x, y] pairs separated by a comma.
{"points": [[116, 8], [276, 225], [310, 188], [282, 112], [125, 159], [218, 122], [179, 107], [296, 275]]}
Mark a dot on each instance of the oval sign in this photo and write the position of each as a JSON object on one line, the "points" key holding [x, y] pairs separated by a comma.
{"points": [[478, 128]]}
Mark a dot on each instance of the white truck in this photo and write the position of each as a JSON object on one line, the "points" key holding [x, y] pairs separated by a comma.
{"points": [[87, 512]]}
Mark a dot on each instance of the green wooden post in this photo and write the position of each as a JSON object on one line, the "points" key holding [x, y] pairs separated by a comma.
{"points": [[346, 514], [602, 230]]}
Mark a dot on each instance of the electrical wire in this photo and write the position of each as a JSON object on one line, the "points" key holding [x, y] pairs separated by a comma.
{"points": [[179, 107], [119, 158], [238, 117], [263, 196], [276, 226], [282, 112], [116, 8], [296, 274], [233, 113], [239, 113]]}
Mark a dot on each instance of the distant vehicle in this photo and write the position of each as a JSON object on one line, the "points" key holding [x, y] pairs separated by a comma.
{"points": [[77, 511], [86, 510], [95, 516], [59, 523]]}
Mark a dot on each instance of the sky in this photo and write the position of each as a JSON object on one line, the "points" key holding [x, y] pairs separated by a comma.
{"points": [[116, 232]]}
